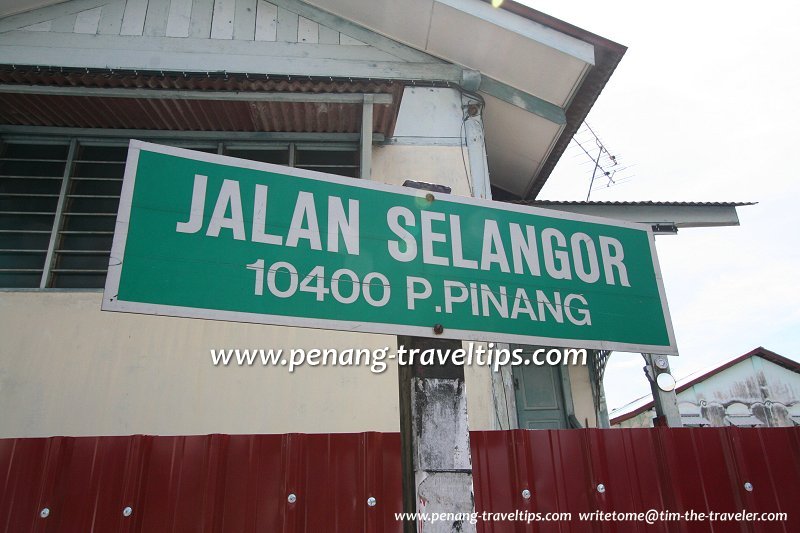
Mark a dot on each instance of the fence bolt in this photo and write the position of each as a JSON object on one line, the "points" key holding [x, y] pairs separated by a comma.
{"points": [[292, 498], [601, 488], [748, 487], [44, 513], [127, 511], [526, 494], [372, 501]]}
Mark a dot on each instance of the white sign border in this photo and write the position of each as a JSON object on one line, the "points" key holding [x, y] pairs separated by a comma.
{"points": [[112, 303]]}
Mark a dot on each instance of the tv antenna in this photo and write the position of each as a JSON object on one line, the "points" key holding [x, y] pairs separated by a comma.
{"points": [[606, 165]]}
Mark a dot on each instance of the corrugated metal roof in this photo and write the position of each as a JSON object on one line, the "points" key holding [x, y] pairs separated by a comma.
{"points": [[640, 203], [241, 483], [176, 114]]}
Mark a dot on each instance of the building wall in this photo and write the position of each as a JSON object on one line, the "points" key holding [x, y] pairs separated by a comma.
{"points": [[67, 368], [70, 369], [582, 399], [754, 387], [642, 420]]}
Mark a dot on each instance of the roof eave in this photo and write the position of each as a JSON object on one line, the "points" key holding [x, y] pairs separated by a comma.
{"points": [[608, 54]]}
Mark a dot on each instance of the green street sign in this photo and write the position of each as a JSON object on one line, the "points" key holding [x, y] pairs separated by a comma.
{"points": [[207, 236]]}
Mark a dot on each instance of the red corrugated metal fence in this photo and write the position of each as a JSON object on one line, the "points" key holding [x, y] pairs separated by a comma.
{"points": [[237, 483], [242, 483], [666, 469]]}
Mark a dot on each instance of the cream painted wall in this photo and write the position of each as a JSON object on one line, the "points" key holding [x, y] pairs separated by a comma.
{"points": [[480, 401], [444, 165], [582, 399], [67, 368]]}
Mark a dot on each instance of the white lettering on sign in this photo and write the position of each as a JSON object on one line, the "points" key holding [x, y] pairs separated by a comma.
{"points": [[198, 206], [393, 216], [613, 261], [304, 225], [561, 256], [440, 236], [229, 198], [260, 219], [510, 248]]}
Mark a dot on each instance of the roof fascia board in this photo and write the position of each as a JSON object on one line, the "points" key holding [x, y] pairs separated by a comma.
{"points": [[679, 216], [525, 27], [35, 16], [780, 360], [242, 96], [355, 31], [523, 100], [207, 55]]}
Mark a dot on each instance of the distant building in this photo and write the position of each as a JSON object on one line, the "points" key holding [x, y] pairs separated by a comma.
{"points": [[757, 389]]}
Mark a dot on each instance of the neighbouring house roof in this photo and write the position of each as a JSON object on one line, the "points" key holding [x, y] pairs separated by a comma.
{"points": [[645, 403]]}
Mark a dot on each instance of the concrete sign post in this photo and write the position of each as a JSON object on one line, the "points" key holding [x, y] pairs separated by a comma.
{"points": [[434, 437], [207, 236]]}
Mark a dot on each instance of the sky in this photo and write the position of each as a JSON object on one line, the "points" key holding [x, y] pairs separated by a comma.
{"points": [[704, 106]]}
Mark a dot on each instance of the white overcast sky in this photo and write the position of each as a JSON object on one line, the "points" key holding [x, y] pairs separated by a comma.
{"points": [[706, 105]]}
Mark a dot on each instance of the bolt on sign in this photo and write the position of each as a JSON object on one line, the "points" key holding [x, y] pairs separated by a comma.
{"points": [[207, 236]]}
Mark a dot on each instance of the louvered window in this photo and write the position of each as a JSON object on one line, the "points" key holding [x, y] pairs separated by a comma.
{"points": [[59, 201]]}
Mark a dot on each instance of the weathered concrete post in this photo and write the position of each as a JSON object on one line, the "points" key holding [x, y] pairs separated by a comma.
{"points": [[434, 434]]}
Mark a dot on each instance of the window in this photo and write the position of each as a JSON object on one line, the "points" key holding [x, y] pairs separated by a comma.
{"points": [[59, 200], [29, 192]]}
